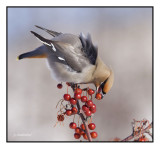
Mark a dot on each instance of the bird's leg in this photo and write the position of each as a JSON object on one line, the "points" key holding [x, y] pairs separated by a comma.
{"points": [[74, 86]]}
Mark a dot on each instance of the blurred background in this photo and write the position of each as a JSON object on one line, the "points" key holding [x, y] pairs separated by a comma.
{"points": [[124, 39]]}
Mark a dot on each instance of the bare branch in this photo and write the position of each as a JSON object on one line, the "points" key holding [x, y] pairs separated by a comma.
{"points": [[138, 133]]}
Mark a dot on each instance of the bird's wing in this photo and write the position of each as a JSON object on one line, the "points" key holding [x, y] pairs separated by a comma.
{"points": [[65, 52], [90, 50], [81, 45], [53, 33], [76, 52]]}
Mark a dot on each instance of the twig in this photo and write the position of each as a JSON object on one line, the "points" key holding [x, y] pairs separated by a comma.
{"points": [[84, 122], [58, 102], [138, 133], [149, 133]]}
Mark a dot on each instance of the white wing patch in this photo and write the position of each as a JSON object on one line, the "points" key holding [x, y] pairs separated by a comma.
{"points": [[53, 47], [44, 42], [60, 58]]}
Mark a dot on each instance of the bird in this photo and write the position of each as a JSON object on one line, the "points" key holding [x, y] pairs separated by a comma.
{"points": [[73, 59]]}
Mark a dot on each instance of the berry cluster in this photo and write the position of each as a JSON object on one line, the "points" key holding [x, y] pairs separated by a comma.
{"points": [[80, 104], [80, 131]]}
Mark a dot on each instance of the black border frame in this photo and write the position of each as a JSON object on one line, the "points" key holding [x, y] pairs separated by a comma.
{"points": [[78, 7]]}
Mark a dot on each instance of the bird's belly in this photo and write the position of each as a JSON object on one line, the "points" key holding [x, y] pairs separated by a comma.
{"points": [[62, 73]]}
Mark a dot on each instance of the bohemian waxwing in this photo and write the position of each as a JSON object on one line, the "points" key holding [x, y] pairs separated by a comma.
{"points": [[73, 59]]}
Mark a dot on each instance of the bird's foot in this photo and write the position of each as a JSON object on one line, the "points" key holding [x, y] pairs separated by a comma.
{"points": [[74, 86]]}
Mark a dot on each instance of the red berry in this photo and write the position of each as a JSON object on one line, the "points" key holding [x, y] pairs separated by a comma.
{"points": [[67, 97], [83, 98], [82, 126], [60, 117], [85, 108], [73, 101], [91, 126], [82, 132], [93, 111], [88, 113], [68, 84], [78, 90], [68, 112], [72, 125], [78, 130], [74, 110], [98, 96], [59, 86], [90, 91], [94, 134], [77, 96], [93, 107], [89, 103], [85, 136], [143, 139], [77, 135]]}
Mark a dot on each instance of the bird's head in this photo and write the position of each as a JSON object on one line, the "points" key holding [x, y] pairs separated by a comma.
{"points": [[107, 84]]}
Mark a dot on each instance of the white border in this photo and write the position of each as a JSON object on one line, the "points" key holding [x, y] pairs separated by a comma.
{"points": [[5, 3]]}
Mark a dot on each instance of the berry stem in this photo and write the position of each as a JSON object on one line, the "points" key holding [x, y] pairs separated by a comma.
{"points": [[82, 117], [84, 122]]}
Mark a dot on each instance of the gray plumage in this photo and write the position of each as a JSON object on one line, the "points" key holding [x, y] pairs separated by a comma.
{"points": [[74, 52], [72, 59]]}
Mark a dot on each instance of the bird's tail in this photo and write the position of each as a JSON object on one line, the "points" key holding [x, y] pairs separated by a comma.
{"points": [[37, 53]]}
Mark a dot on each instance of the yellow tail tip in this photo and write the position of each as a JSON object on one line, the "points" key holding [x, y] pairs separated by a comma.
{"points": [[17, 58]]}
